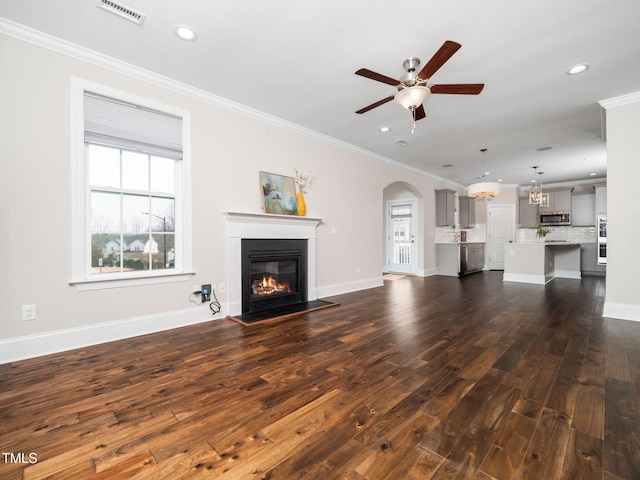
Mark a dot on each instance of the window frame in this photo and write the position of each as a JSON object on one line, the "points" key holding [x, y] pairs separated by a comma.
{"points": [[81, 274]]}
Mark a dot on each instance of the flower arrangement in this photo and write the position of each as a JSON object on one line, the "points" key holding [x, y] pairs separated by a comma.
{"points": [[542, 232], [303, 180]]}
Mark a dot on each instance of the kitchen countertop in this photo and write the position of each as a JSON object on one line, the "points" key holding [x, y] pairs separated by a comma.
{"points": [[459, 243], [547, 243]]}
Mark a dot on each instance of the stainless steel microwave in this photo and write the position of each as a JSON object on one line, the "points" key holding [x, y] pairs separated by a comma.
{"points": [[557, 218]]}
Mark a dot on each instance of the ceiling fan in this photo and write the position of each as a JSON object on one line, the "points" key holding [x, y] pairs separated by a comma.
{"points": [[413, 88]]}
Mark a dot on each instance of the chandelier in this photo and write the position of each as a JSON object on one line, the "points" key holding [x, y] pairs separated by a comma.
{"points": [[536, 195], [483, 190]]}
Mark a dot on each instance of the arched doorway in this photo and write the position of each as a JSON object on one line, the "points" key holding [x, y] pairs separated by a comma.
{"points": [[403, 223]]}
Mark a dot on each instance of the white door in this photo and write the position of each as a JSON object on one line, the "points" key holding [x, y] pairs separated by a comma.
{"points": [[401, 236], [501, 227]]}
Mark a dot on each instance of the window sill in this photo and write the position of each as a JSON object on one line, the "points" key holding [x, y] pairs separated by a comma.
{"points": [[85, 285]]}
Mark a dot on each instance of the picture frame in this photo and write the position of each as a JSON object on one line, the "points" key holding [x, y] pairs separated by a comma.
{"points": [[278, 193]]}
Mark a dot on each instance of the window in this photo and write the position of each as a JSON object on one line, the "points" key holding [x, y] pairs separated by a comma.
{"points": [[132, 195]]}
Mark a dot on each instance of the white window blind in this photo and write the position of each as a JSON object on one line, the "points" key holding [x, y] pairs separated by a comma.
{"points": [[401, 211], [112, 122]]}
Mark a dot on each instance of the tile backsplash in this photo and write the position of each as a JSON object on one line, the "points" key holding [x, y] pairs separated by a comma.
{"points": [[572, 234], [479, 234]]}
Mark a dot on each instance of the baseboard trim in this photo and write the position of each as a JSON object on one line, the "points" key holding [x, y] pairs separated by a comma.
{"points": [[340, 288], [21, 348], [573, 274], [526, 278], [621, 311]]}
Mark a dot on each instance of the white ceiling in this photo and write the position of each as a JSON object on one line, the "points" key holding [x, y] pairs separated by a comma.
{"points": [[296, 60]]}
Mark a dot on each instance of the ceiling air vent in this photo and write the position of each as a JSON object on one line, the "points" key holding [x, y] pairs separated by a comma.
{"points": [[402, 143], [121, 10]]}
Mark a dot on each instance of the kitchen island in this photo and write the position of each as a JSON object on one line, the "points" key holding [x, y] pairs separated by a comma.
{"points": [[541, 262]]}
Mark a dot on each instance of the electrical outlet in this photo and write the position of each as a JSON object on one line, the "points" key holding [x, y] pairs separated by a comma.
{"points": [[28, 312], [205, 291], [222, 288]]}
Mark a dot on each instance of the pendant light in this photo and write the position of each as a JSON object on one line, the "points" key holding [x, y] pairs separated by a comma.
{"points": [[483, 190], [536, 195]]}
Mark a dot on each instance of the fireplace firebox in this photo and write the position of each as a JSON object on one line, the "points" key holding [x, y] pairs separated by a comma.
{"points": [[274, 273]]}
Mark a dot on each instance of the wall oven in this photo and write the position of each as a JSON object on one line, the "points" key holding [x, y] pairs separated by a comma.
{"points": [[602, 240]]}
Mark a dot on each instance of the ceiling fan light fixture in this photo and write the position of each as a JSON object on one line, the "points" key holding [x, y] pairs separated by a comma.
{"points": [[483, 190], [412, 97]]}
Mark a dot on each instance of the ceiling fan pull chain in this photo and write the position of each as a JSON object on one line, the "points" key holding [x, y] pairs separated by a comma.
{"points": [[413, 118]]}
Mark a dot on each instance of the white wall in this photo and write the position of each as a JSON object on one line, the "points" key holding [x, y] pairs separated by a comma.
{"points": [[229, 149], [622, 298]]}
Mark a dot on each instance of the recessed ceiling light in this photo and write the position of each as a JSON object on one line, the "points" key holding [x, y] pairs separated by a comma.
{"points": [[576, 69], [500, 180], [185, 33], [384, 129], [486, 173], [592, 174]]}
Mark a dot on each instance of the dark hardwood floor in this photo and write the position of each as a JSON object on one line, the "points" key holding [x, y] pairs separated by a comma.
{"points": [[424, 378]]}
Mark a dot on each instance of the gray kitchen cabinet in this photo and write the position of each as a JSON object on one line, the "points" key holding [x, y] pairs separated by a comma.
{"points": [[445, 207], [467, 211], [529, 214], [601, 200], [589, 260], [559, 201], [583, 210]]}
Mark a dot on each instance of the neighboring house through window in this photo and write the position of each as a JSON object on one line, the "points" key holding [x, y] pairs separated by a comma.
{"points": [[132, 189]]}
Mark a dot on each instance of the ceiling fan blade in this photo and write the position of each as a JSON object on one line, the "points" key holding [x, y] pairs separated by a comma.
{"points": [[363, 72], [377, 104], [458, 88], [419, 114], [445, 52]]}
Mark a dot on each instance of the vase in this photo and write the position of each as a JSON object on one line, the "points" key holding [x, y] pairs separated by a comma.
{"points": [[302, 206]]}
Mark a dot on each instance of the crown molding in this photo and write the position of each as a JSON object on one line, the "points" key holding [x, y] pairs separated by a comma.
{"points": [[64, 47], [620, 101]]}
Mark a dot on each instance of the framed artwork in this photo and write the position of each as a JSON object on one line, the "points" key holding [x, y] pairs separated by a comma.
{"points": [[278, 194]]}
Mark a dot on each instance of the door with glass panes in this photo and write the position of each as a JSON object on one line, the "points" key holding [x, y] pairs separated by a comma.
{"points": [[401, 238]]}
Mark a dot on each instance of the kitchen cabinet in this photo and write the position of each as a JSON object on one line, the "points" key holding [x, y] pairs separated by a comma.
{"points": [[467, 211], [589, 260], [559, 201], [583, 210], [458, 259], [601, 200], [529, 214], [445, 207]]}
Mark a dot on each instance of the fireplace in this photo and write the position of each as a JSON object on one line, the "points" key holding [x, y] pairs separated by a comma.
{"points": [[256, 226], [274, 274]]}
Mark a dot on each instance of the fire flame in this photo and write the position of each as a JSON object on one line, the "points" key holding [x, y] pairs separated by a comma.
{"points": [[269, 286]]}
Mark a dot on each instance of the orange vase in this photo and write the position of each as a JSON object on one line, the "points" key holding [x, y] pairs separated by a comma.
{"points": [[302, 206]]}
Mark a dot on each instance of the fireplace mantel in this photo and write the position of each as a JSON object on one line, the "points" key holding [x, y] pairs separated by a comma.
{"points": [[260, 225]]}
